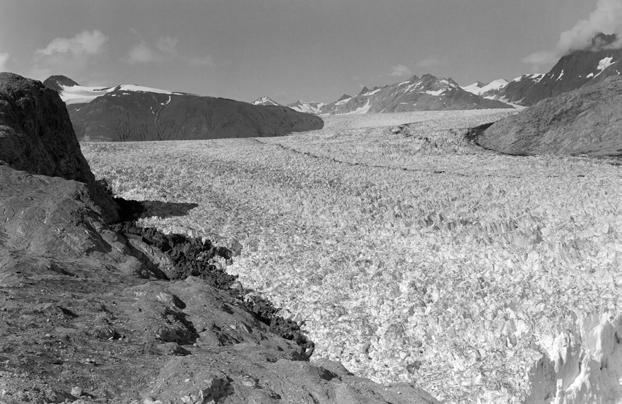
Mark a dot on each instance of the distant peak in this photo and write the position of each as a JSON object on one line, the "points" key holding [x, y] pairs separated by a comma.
{"points": [[56, 82], [344, 97], [265, 101]]}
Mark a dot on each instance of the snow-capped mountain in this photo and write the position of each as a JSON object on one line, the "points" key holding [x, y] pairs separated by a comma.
{"points": [[574, 70], [130, 112], [307, 107], [416, 94], [73, 93], [266, 101], [490, 90]]}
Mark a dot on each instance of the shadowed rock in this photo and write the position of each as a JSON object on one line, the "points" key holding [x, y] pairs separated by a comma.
{"points": [[36, 136]]}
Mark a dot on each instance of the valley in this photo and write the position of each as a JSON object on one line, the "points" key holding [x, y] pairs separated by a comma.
{"points": [[411, 254]]}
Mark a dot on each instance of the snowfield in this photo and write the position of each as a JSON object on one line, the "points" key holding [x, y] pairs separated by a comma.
{"points": [[412, 255]]}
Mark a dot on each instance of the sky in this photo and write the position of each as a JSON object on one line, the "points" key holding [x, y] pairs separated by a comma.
{"points": [[314, 50]]}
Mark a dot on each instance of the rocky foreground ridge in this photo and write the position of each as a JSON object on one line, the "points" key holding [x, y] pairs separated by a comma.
{"points": [[587, 121], [96, 309]]}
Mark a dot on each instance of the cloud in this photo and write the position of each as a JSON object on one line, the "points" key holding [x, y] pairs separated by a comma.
{"points": [[141, 53], [4, 59], [165, 50], [70, 56], [540, 59], [84, 43], [606, 18], [430, 62], [167, 45], [202, 61], [400, 71]]}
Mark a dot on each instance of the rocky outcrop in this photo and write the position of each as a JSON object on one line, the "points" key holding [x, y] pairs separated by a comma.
{"points": [[36, 136], [58, 82], [587, 121], [92, 312]]}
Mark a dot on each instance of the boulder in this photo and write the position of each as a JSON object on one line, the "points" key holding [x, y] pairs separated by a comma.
{"points": [[36, 136]]}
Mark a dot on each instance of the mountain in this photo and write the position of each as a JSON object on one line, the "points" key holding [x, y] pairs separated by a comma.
{"points": [[586, 121], [266, 101], [574, 70], [492, 90], [416, 94], [132, 113], [307, 107], [56, 83]]}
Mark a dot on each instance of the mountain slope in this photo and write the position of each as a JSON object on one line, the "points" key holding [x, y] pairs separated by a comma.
{"points": [[491, 90], [584, 121], [307, 107], [416, 94], [574, 70], [266, 101], [135, 113]]}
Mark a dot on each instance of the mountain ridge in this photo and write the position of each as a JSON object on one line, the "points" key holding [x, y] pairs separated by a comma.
{"points": [[129, 112]]}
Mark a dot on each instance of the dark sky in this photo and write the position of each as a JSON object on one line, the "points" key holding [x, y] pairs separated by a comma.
{"points": [[313, 50]]}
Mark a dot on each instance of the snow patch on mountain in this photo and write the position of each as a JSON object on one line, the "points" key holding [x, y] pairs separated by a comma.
{"points": [[604, 64], [82, 94], [370, 93], [482, 89], [436, 92], [343, 101], [265, 101], [142, 89]]}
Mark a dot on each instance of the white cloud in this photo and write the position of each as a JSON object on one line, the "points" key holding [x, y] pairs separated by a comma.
{"points": [[69, 56], [429, 62], [165, 50], [167, 44], [84, 43], [400, 71], [199, 61], [142, 53], [606, 18], [539, 60], [4, 59]]}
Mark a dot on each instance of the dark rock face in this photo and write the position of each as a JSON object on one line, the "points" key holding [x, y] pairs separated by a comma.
{"points": [[36, 135], [586, 121], [137, 116]]}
